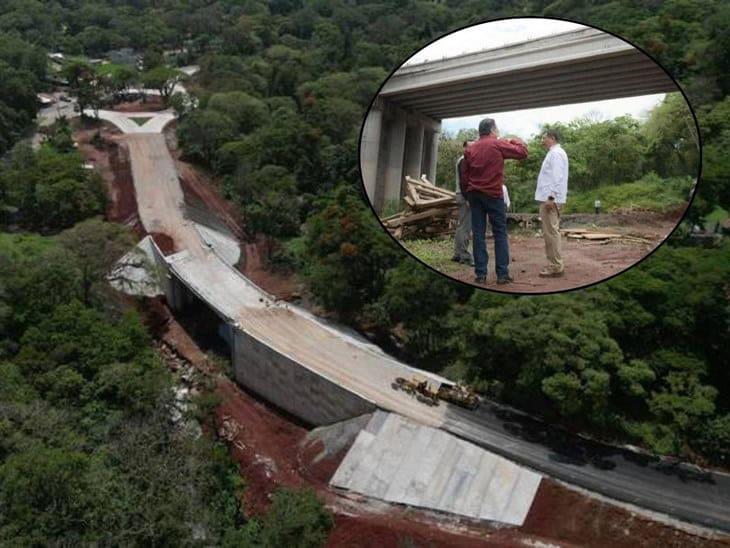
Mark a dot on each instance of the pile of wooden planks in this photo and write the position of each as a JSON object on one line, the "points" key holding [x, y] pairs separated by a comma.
{"points": [[602, 237], [430, 211]]}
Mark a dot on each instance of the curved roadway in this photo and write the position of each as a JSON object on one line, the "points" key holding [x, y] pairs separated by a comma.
{"points": [[362, 368]]}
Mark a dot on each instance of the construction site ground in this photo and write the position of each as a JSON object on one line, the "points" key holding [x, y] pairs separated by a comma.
{"points": [[586, 262], [271, 450]]}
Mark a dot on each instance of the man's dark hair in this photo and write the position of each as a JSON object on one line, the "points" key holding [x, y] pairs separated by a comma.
{"points": [[486, 126], [553, 134], [466, 143]]}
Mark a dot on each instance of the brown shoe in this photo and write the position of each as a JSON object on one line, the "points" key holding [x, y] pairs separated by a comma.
{"points": [[551, 274]]}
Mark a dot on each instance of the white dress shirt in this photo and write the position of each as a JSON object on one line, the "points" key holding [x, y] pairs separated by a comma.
{"points": [[553, 177]]}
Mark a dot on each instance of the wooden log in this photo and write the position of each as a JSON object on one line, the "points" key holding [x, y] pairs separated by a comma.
{"points": [[437, 202], [410, 201], [389, 217], [599, 235], [593, 236], [411, 191], [428, 214], [428, 192], [431, 188]]}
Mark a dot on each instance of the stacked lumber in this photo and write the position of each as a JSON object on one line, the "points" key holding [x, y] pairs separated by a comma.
{"points": [[602, 237], [429, 211]]}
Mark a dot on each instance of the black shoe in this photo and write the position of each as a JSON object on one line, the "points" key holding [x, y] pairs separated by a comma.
{"points": [[480, 280], [467, 262], [456, 259], [505, 280]]}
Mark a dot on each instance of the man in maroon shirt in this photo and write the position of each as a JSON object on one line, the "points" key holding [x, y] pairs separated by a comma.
{"points": [[484, 173]]}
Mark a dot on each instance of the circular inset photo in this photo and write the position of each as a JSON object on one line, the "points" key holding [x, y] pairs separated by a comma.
{"points": [[530, 155]]}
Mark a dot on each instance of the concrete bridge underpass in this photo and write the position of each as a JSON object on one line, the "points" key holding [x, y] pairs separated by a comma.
{"points": [[402, 129]]}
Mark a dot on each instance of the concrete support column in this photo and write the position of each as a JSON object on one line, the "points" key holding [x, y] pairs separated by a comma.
{"points": [[370, 149], [427, 150], [433, 156], [389, 181], [414, 151]]}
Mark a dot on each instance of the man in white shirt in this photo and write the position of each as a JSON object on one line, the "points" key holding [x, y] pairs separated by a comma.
{"points": [[551, 192]]}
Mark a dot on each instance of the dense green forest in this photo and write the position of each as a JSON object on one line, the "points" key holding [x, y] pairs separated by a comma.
{"points": [[626, 163], [283, 87], [88, 451]]}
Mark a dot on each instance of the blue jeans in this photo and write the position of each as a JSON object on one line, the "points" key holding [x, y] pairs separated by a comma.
{"points": [[481, 206]]}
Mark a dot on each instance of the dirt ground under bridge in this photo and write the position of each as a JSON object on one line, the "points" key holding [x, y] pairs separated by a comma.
{"points": [[586, 261]]}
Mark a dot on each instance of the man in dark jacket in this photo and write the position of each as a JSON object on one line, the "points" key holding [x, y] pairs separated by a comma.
{"points": [[484, 173]]}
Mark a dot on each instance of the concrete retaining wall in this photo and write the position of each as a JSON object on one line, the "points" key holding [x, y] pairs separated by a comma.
{"points": [[162, 270], [291, 386]]}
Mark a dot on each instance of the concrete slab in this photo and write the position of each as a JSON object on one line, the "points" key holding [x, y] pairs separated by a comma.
{"points": [[398, 460], [136, 272], [225, 245]]}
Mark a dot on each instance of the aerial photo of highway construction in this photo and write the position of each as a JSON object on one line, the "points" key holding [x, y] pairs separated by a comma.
{"points": [[207, 338]]}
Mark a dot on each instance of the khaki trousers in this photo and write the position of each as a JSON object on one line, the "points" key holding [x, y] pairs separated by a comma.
{"points": [[551, 232]]}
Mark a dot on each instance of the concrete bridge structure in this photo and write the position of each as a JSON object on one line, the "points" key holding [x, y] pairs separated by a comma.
{"points": [[402, 129], [323, 374]]}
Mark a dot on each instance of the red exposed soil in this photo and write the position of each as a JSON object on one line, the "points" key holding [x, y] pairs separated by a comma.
{"points": [[255, 268], [385, 531], [322, 470], [156, 315], [164, 242], [565, 515], [264, 446], [111, 161]]}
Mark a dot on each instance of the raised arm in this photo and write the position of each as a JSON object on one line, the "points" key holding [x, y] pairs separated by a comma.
{"points": [[512, 149]]}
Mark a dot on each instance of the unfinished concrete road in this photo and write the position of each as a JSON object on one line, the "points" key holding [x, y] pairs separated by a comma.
{"points": [[280, 336]]}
